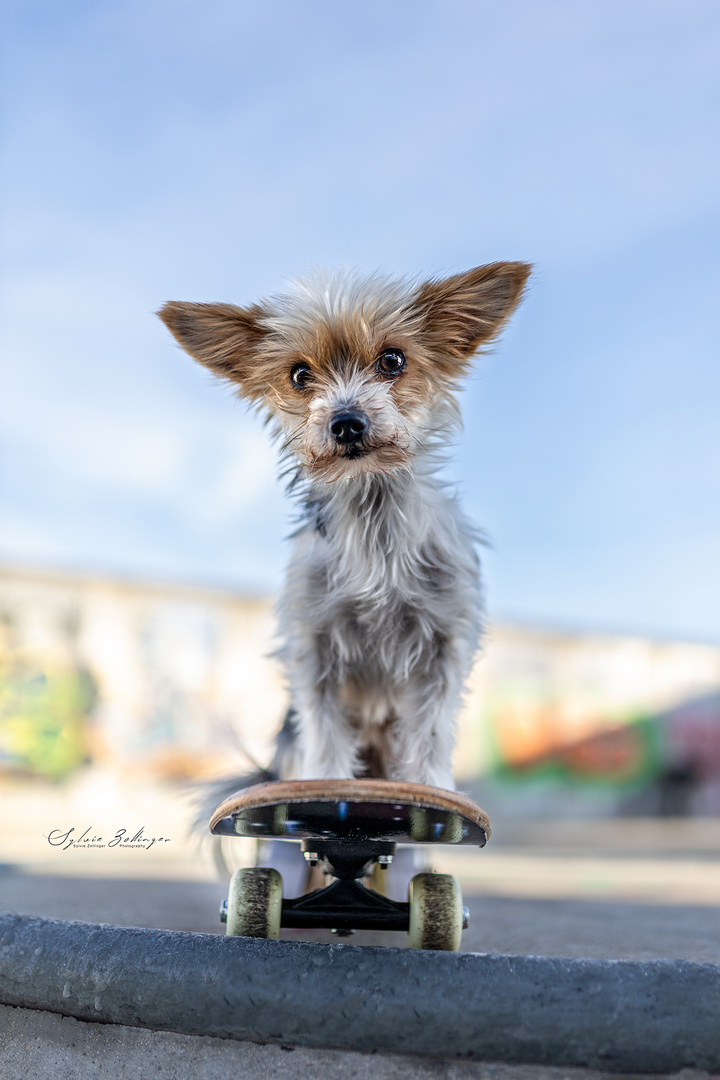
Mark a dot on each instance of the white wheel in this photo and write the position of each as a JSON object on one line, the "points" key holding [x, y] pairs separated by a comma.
{"points": [[436, 912], [254, 903], [420, 829]]}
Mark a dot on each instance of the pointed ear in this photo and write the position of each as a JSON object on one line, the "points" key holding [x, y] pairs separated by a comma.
{"points": [[221, 336], [465, 311]]}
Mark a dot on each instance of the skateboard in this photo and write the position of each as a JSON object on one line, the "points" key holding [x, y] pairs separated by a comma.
{"points": [[351, 828]]}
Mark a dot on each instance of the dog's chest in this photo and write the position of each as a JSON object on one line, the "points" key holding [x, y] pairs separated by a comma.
{"points": [[378, 603], [383, 583]]}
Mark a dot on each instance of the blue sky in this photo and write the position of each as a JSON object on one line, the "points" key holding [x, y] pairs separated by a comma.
{"points": [[165, 149]]}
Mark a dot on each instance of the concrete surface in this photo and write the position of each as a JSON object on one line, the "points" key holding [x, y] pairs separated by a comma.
{"points": [[659, 1015], [47, 1046]]}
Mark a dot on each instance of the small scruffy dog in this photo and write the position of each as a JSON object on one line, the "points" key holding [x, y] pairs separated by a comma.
{"points": [[380, 616]]}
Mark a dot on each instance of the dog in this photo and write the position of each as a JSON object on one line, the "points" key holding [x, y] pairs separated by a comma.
{"points": [[380, 616]]}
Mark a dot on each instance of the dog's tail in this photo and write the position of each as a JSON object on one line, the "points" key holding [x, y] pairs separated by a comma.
{"points": [[209, 795]]}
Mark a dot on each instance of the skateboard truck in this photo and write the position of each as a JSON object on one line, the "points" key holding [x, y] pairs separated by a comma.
{"points": [[346, 904]]}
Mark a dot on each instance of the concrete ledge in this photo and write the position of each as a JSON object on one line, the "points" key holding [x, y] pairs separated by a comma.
{"points": [[660, 1016]]}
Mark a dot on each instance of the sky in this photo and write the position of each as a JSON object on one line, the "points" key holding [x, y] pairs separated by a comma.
{"points": [[172, 149]]}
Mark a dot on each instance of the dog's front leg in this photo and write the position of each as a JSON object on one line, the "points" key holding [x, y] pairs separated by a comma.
{"points": [[425, 731], [328, 743]]}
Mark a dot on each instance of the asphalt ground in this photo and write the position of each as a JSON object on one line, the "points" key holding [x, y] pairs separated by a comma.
{"points": [[47, 1046], [510, 925]]}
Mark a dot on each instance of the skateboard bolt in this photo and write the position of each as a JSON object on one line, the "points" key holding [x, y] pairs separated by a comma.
{"points": [[223, 911], [384, 861], [312, 857], [466, 917]]}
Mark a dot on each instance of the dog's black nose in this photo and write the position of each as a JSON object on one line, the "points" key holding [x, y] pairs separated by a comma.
{"points": [[348, 427]]}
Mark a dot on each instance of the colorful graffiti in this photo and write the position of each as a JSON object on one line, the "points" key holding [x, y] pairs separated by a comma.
{"points": [[44, 719], [673, 756], [569, 740]]}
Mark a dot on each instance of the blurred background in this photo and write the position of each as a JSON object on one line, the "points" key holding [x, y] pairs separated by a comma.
{"points": [[162, 150]]}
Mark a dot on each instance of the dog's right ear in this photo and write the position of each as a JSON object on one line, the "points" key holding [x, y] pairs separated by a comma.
{"points": [[223, 337]]}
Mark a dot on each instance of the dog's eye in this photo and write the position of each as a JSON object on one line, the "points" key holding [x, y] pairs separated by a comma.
{"points": [[391, 361], [300, 375]]}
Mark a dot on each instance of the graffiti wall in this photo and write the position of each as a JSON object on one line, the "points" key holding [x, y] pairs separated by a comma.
{"points": [[175, 683], [607, 712], [171, 681]]}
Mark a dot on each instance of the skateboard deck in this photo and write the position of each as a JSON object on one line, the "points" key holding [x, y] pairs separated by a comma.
{"points": [[353, 828], [355, 810]]}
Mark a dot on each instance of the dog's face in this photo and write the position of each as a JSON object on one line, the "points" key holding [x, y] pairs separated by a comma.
{"points": [[357, 374]]}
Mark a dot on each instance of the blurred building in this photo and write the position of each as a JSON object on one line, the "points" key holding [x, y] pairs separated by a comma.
{"points": [[176, 682], [150, 678]]}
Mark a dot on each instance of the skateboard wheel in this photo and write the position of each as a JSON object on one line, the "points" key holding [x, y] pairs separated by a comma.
{"points": [[280, 816], [429, 828], [452, 830], [254, 903], [419, 828], [436, 912]]}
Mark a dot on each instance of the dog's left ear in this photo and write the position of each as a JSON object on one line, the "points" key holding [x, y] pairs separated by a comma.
{"points": [[463, 312], [223, 337]]}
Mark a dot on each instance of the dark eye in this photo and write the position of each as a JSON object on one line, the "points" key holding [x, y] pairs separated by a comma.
{"points": [[391, 361], [300, 375]]}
